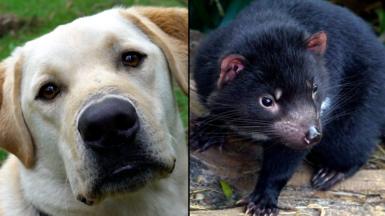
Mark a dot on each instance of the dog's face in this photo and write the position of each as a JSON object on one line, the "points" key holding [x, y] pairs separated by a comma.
{"points": [[95, 98]]}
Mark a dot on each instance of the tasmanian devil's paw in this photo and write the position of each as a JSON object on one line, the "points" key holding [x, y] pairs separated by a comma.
{"points": [[260, 206], [206, 133], [326, 178]]}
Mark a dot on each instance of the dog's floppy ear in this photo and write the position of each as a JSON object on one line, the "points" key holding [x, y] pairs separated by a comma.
{"points": [[14, 134], [168, 28]]}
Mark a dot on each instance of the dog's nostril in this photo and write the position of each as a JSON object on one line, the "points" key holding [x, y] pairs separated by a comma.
{"points": [[124, 122], [91, 133], [111, 122]]}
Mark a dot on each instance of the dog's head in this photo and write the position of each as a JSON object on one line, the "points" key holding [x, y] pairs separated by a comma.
{"points": [[92, 101]]}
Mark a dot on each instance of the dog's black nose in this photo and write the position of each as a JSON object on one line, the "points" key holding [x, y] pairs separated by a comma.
{"points": [[109, 123]]}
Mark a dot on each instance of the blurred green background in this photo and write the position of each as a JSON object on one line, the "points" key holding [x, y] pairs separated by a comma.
{"points": [[206, 15], [22, 20]]}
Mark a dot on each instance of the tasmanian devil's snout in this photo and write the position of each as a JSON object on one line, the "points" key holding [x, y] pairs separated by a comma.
{"points": [[300, 128]]}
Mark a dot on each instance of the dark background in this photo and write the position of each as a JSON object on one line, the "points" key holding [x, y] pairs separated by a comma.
{"points": [[209, 14]]}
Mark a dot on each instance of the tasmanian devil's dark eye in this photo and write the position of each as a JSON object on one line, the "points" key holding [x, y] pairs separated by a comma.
{"points": [[48, 91], [266, 101], [315, 88], [132, 59]]}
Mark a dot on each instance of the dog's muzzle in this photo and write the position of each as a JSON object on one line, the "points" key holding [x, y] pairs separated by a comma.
{"points": [[117, 149], [111, 123]]}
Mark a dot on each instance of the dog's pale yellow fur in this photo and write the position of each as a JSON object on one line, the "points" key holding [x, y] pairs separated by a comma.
{"points": [[49, 169]]}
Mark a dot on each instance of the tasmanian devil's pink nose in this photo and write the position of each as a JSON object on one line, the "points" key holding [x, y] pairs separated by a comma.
{"points": [[313, 135]]}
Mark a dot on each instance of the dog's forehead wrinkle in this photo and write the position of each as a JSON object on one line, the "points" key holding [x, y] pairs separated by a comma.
{"points": [[69, 37], [104, 22]]}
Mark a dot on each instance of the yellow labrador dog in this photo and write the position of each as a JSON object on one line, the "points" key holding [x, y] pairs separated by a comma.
{"points": [[89, 114]]}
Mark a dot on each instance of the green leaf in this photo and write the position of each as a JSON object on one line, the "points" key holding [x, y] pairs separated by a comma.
{"points": [[226, 188], [381, 20], [3, 155]]}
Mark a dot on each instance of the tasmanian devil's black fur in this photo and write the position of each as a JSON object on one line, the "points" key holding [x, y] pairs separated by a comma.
{"points": [[300, 77]]}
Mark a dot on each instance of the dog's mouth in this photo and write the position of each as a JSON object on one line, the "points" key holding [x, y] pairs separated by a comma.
{"points": [[126, 178], [133, 170]]}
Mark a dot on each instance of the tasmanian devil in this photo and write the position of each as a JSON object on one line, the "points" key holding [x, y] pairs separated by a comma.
{"points": [[301, 77]]}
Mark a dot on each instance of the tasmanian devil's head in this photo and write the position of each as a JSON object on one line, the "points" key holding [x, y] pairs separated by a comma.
{"points": [[271, 86]]}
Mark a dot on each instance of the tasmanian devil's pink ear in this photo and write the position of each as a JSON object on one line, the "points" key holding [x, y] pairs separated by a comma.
{"points": [[230, 66], [168, 28], [317, 43], [14, 134]]}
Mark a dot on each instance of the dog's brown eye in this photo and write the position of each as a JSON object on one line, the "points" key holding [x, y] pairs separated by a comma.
{"points": [[48, 91], [132, 59]]}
